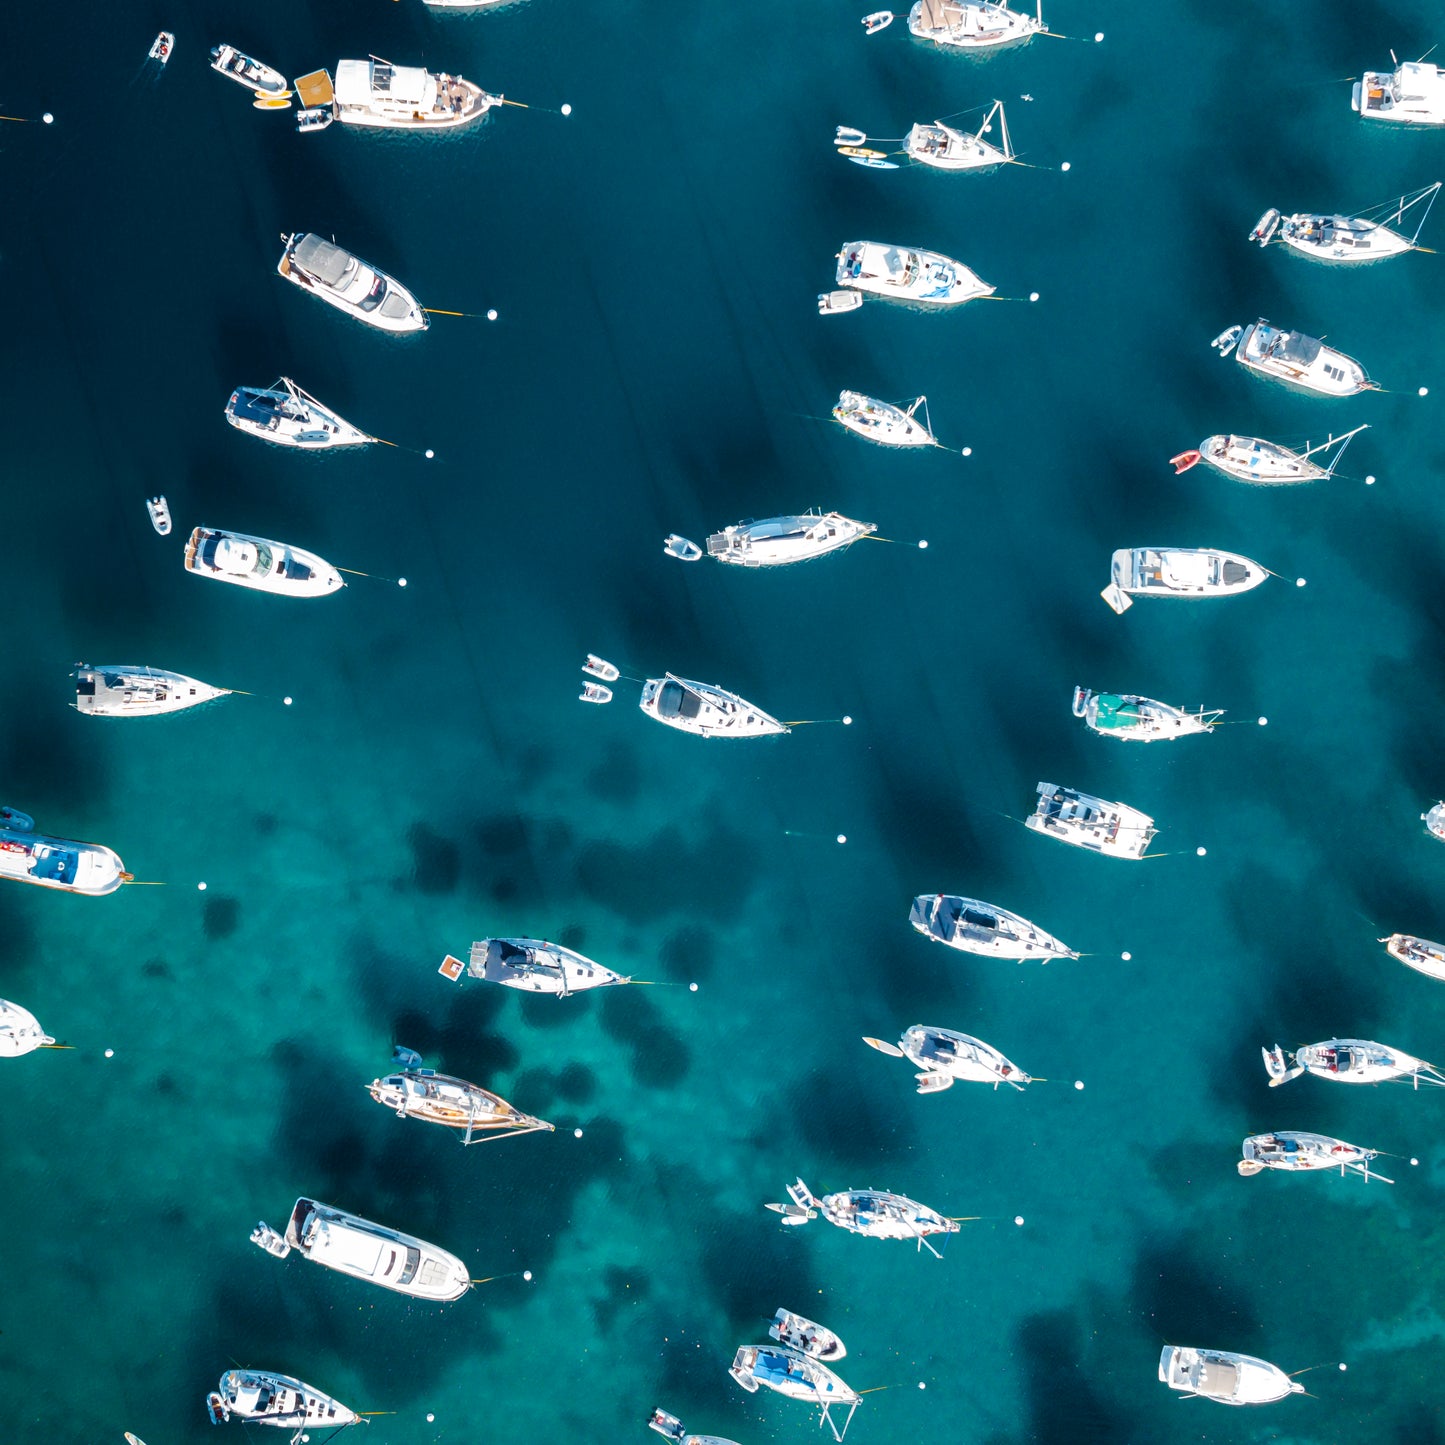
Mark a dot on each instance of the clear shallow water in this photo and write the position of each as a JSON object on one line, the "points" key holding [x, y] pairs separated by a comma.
{"points": [[657, 365]]}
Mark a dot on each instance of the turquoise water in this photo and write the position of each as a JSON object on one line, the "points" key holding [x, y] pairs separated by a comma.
{"points": [[658, 365]]}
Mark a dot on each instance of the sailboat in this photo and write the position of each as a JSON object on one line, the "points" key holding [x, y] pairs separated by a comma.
{"points": [[1349, 1061], [948, 149], [873, 1213], [796, 1375], [1222, 1375], [20, 1031], [944, 1057], [290, 417], [885, 422], [1367, 236], [531, 964], [973, 24], [903, 273], [1252, 459], [417, 1093], [1132, 718], [1295, 1153], [1412, 94], [263, 1397]]}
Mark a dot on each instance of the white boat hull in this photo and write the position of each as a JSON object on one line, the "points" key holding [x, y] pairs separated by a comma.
{"points": [[1341, 240], [902, 273], [784, 541], [1252, 459], [536, 966], [1291, 1152], [264, 1398], [972, 926], [1129, 718], [20, 1031], [289, 417], [1225, 1377], [260, 564], [1299, 361], [881, 421], [946, 149], [1414, 94], [122, 690], [1188, 572], [362, 292], [1113, 829], [377, 95], [704, 709], [958, 1057], [71, 866], [1418, 953], [970, 25]]}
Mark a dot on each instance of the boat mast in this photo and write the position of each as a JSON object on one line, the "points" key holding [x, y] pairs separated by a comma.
{"points": [[1344, 441], [1432, 192]]}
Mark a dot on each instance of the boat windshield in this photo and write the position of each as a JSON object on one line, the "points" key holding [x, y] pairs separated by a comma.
{"points": [[408, 1270], [375, 296], [264, 561]]}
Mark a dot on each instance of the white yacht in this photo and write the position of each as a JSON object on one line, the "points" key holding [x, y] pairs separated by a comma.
{"points": [[884, 422], [265, 80], [1252, 459], [870, 1212], [348, 283], [973, 24], [74, 867], [1139, 719], [405, 97], [1412, 94], [800, 1333], [944, 1057], [1418, 953], [262, 1397], [20, 1031], [1293, 358], [1349, 239], [260, 564], [899, 273], [1348, 1061], [1434, 820], [417, 1093], [982, 928], [670, 1426], [1178, 572], [1296, 1153], [796, 1375], [946, 148], [290, 417], [534, 965], [1224, 1376], [781, 541], [705, 709], [1114, 829], [352, 1245], [122, 690]]}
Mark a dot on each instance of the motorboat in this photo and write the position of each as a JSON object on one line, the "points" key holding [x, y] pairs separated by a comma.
{"points": [[1418, 953], [831, 303], [1178, 572], [599, 667], [1368, 236], [265, 80], [679, 547], [1114, 829], [159, 511], [799, 1333], [379, 94], [290, 417], [1412, 94], [312, 118], [1296, 1153], [781, 541], [124, 690], [1252, 459], [944, 1057], [1434, 821], [262, 1397], [982, 928], [595, 692], [878, 20], [1224, 1376], [1349, 1061], [705, 709], [899, 273], [873, 1213], [947, 148], [670, 1426], [74, 867], [796, 1375], [20, 1031], [1293, 358], [973, 24], [260, 564], [161, 47], [1139, 719], [349, 284], [352, 1245], [534, 965], [417, 1093], [884, 422]]}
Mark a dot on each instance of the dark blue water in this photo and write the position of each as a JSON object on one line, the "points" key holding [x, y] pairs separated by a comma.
{"points": [[657, 364]]}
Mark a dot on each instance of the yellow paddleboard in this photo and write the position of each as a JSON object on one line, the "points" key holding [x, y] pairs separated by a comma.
{"points": [[281, 100], [862, 153]]}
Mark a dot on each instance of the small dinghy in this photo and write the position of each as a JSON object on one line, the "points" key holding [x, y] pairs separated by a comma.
{"points": [[1184, 461], [161, 47], [1113, 829], [797, 1376], [1265, 227], [1293, 358], [1300, 1153], [1349, 1061], [878, 20], [849, 135], [982, 928], [944, 1057], [873, 1213], [533, 965], [1178, 572], [314, 118], [1139, 719], [14, 821], [1434, 820], [1418, 953], [1224, 1376], [594, 692], [671, 1427], [160, 514], [263, 79], [599, 667], [1265, 463], [831, 303], [681, 548], [805, 1335], [884, 422], [20, 1032]]}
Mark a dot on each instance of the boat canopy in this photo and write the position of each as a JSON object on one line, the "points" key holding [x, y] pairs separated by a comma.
{"points": [[367, 82], [1112, 711], [314, 89], [323, 259], [1296, 346]]}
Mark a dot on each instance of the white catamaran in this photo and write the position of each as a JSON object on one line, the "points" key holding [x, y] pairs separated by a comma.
{"points": [[349, 284], [983, 928], [782, 541], [944, 1057], [1367, 236], [1178, 572], [1293, 358], [1139, 719], [125, 690], [1113, 829], [1270, 464], [290, 417], [901, 273]]}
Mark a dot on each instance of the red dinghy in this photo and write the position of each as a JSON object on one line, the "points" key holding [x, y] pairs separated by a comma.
{"points": [[1183, 461]]}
